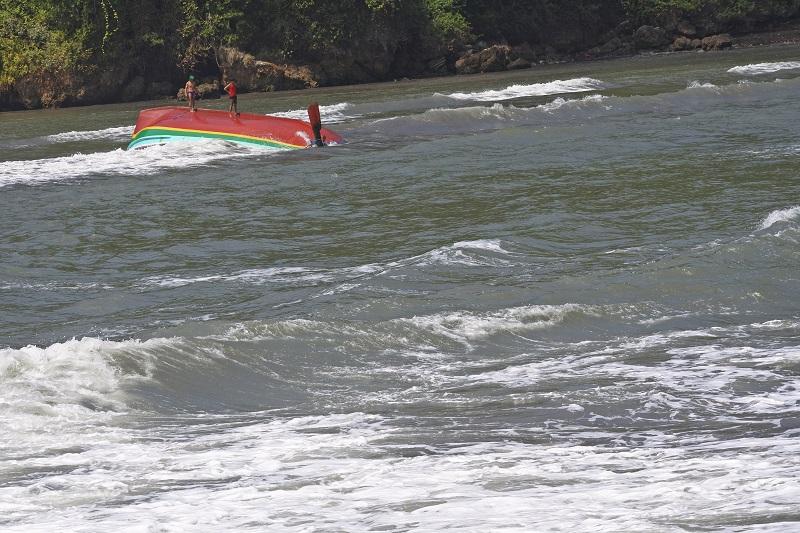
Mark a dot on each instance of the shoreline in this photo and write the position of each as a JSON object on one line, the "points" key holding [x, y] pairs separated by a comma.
{"points": [[787, 34]]}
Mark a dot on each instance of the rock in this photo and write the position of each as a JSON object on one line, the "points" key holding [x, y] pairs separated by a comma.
{"points": [[523, 51], [27, 92], [519, 64], [682, 43], [717, 42], [551, 55], [205, 90], [589, 54], [686, 28], [437, 65], [626, 49], [624, 28], [252, 74], [494, 58], [697, 43], [468, 64], [208, 91], [133, 90], [297, 77], [9, 100], [158, 89], [610, 47], [649, 37], [607, 36]]}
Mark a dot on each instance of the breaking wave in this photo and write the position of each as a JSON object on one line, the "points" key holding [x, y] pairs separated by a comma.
{"points": [[765, 68], [781, 215], [465, 326], [476, 253], [122, 162], [330, 114], [575, 85], [69, 379], [701, 85]]}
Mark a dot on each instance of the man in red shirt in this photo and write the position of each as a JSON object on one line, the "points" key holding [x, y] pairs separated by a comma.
{"points": [[230, 88]]}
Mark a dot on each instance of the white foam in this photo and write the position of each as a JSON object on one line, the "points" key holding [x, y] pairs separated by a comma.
{"points": [[256, 276], [122, 162], [49, 396], [464, 254], [330, 114], [781, 215], [466, 326], [702, 85], [575, 85], [65, 372], [340, 472], [765, 68], [491, 245], [260, 276], [449, 115], [117, 133], [559, 102]]}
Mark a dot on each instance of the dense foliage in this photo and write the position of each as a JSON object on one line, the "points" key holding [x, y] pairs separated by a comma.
{"points": [[719, 11], [161, 39]]}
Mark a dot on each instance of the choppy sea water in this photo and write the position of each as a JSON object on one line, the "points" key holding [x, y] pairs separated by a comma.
{"points": [[558, 299]]}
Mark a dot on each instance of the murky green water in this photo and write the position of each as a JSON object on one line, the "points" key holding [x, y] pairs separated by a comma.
{"points": [[548, 299]]}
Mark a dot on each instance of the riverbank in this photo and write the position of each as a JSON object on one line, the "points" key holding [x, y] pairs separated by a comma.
{"points": [[121, 83]]}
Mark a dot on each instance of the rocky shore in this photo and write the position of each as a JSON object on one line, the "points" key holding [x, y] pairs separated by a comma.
{"points": [[119, 84], [253, 75]]}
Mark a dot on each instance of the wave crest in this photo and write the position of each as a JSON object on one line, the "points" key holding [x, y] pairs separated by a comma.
{"points": [[575, 85], [780, 215], [755, 69], [117, 133], [121, 162], [466, 326], [330, 114], [69, 379]]}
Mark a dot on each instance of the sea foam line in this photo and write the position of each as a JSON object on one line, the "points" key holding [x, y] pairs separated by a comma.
{"points": [[339, 474], [463, 326], [575, 85], [460, 253], [764, 68], [117, 133], [330, 114], [121, 162]]}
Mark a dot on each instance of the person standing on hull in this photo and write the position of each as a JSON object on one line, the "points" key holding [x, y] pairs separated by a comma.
{"points": [[315, 120], [230, 88], [191, 93]]}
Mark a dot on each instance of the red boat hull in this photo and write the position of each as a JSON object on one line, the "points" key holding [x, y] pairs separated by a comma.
{"points": [[167, 124]]}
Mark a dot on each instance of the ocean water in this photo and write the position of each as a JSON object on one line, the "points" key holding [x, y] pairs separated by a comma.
{"points": [[560, 299]]}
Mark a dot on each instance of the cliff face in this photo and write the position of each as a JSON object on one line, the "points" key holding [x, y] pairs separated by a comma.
{"points": [[566, 25], [98, 51]]}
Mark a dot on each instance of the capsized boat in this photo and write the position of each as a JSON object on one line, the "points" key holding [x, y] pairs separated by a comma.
{"points": [[161, 125]]}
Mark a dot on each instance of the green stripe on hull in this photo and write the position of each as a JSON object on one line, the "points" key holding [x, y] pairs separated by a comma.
{"points": [[154, 136]]}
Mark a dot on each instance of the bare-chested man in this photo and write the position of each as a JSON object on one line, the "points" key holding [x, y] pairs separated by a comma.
{"points": [[191, 93]]}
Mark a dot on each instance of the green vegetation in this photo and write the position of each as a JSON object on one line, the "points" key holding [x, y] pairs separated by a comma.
{"points": [[33, 38], [161, 40], [448, 20], [655, 11]]}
